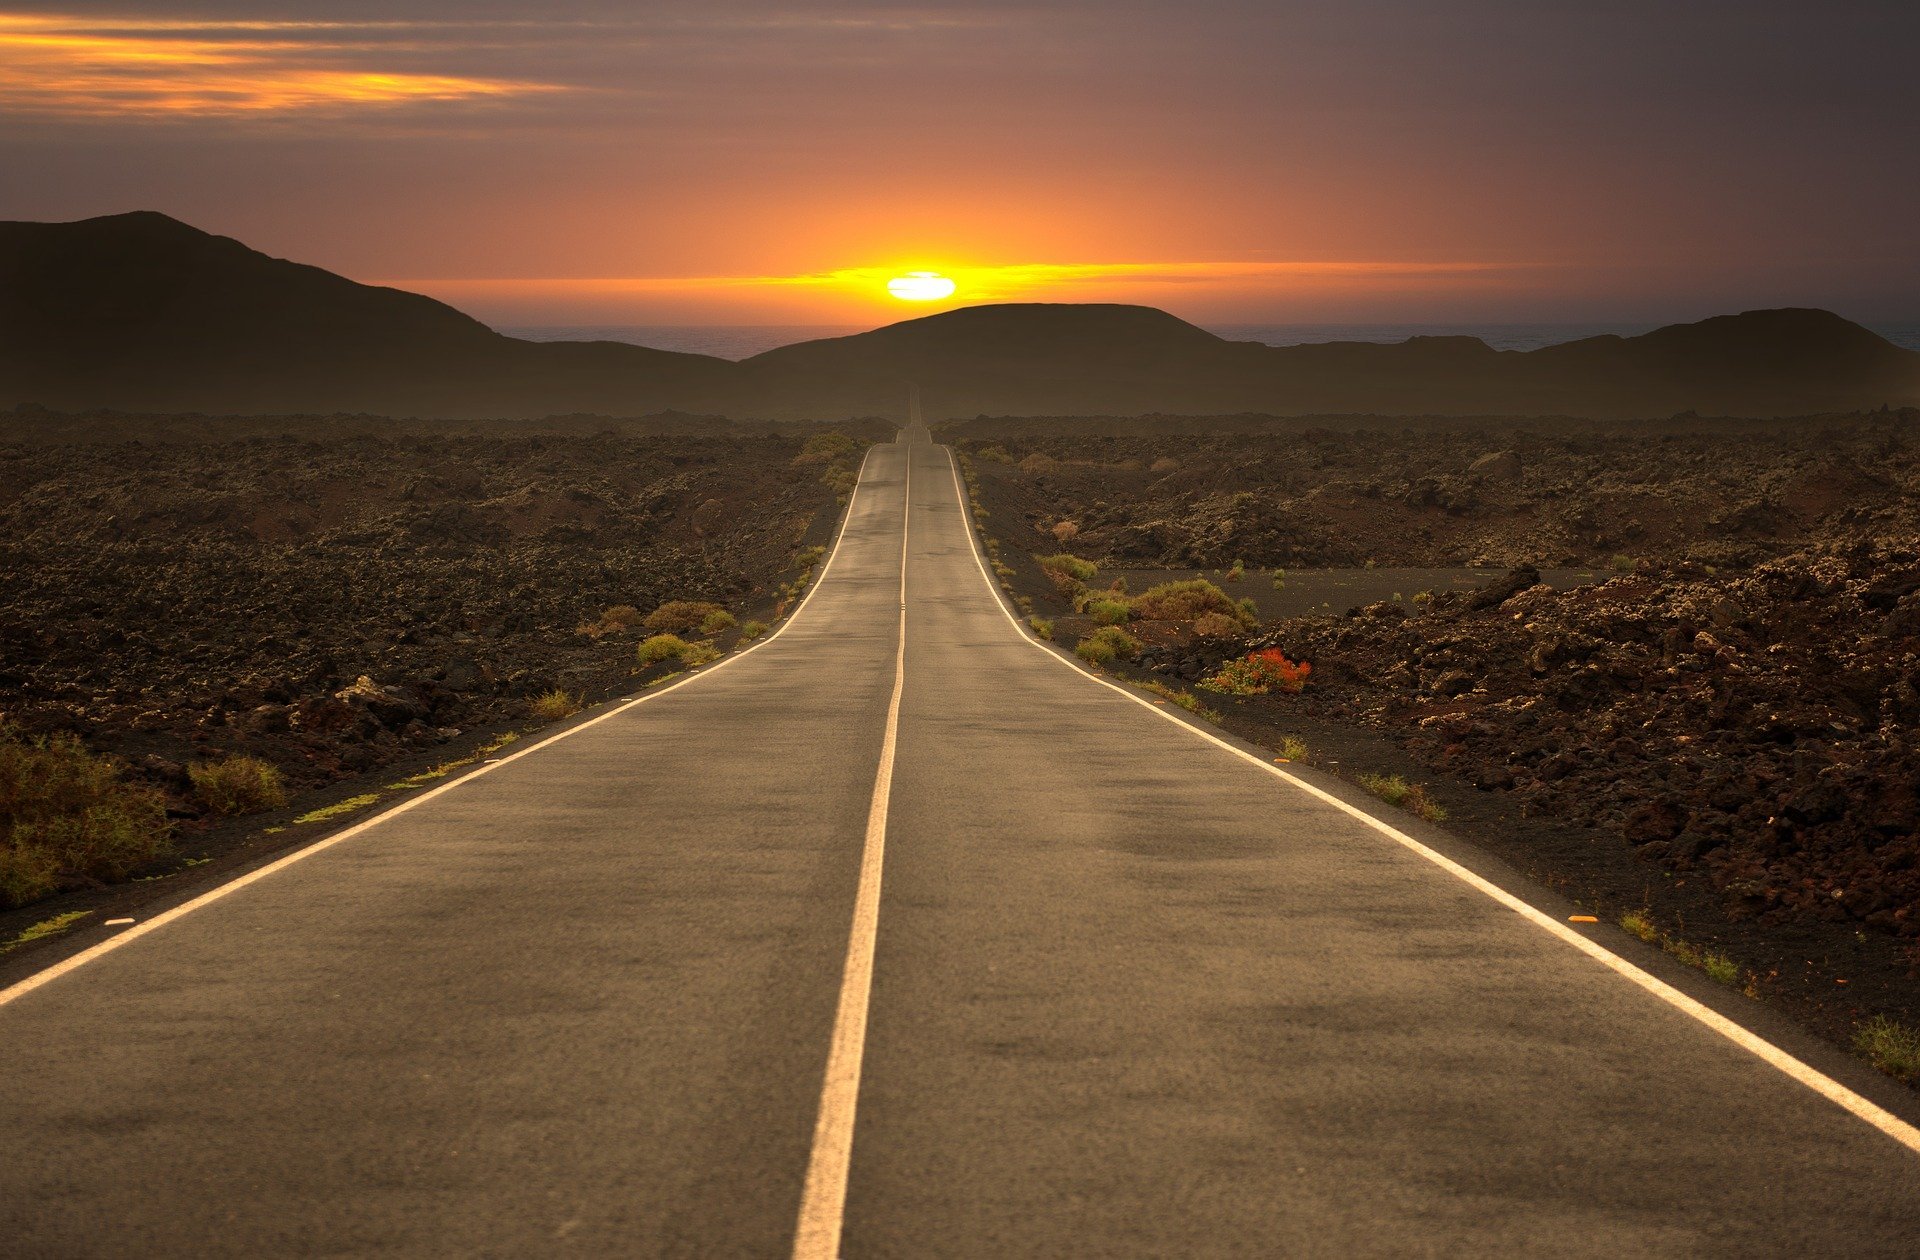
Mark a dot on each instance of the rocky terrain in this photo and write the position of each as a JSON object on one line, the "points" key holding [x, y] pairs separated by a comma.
{"points": [[1762, 729], [332, 595], [1716, 735], [1353, 491]]}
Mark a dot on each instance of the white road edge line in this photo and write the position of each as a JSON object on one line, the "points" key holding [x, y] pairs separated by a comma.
{"points": [[1819, 1082], [823, 1201], [23, 987]]}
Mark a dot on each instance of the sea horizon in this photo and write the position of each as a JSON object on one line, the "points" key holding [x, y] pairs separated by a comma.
{"points": [[742, 341]]}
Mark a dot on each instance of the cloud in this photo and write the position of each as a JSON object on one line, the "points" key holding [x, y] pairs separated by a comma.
{"points": [[119, 69]]}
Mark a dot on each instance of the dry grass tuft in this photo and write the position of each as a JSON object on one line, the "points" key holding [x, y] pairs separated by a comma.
{"points": [[680, 616], [238, 785], [1893, 1047], [1411, 797], [66, 815], [553, 705], [1105, 645]]}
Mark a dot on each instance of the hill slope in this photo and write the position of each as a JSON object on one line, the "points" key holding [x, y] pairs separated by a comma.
{"points": [[1122, 360], [141, 312]]}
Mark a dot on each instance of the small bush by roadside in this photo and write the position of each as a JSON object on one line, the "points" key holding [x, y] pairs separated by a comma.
{"points": [[679, 616], [663, 647], [1719, 968], [1185, 699], [1411, 797], [1258, 673], [553, 705], [237, 785], [1106, 644], [67, 815], [1893, 1047]]}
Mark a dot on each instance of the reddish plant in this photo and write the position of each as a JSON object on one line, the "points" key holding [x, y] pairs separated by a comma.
{"points": [[1259, 672]]}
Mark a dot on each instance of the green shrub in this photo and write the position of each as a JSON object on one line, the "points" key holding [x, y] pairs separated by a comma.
{"points": [[1638, 923], [1279, 579], [554, 705], [1893, 1047], [1106, 644], [1720, 968], [752, 630], [1185, 699], [717, 621], [1216, 626], [1293, 748], [238, 785], [1094, 651], [1070, 566], [1411, 797], [824, 448], [65, 813], [1041, 626], [680, 616], [1110, 612], [1188, 601], [661, 647], [1238, 571]]}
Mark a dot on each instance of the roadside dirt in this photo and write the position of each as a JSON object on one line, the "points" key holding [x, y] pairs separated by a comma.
{"points": [[1728, 745], [359, 605], [1347, 492]]}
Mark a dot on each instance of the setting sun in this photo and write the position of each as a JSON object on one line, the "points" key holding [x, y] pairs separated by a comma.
{"points": [[921, 286]]}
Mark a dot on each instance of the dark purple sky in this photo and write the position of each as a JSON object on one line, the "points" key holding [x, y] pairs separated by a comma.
{"points": [[1284, 162]]}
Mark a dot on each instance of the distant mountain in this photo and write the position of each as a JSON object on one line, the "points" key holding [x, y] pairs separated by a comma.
{"points": [[1127, 360], [142, 312]]}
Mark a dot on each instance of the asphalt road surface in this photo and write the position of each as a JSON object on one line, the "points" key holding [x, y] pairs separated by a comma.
{"points": [[896, 936]]}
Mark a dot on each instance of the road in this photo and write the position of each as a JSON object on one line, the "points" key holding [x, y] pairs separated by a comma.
{"points": [[1089, 983]]}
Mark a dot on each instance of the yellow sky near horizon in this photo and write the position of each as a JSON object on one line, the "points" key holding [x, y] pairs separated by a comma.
{"points": [[860, 292]]}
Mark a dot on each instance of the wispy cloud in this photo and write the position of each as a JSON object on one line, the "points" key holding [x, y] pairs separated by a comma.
{"points": [[126, 68]]}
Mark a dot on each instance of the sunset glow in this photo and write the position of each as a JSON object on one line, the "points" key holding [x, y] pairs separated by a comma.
{"points": [[582, 163], [861, 293]]}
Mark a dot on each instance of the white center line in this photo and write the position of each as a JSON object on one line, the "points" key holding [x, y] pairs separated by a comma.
{"points": [[823, 1202]]}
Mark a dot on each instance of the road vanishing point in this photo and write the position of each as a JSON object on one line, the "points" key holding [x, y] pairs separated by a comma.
{"points": [[899, 935]]}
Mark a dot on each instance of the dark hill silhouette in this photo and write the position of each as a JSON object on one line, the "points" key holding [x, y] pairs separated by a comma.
{"points": [[141, 312]]}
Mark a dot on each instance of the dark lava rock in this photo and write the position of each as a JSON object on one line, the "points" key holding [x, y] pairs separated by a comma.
{"points": [[1763, 728], [329, 604]]}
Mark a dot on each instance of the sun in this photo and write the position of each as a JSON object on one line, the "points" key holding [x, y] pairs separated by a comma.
{"points": [[921, 286]]}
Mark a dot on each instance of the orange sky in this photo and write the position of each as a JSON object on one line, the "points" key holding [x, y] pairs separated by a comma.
{"points": [[596, 162]]}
